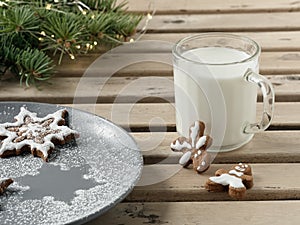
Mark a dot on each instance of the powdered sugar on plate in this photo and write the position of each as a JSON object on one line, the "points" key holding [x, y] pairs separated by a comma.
{"points": [[82, 179]]}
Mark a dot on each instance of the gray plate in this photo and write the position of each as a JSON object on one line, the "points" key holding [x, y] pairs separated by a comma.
{"points": [[82, 179]]}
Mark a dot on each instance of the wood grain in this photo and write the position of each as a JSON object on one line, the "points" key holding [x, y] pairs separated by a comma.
{"points": [[171, 183], [155, 59], [122, 90], [281, 21], [208, 213], [142, 117], [269, 41], [266, 147], [213, 6]]}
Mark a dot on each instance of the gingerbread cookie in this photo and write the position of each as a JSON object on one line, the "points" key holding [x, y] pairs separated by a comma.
{"points": [[4, 183], [37, 135], [236, 180], [194, 148]]}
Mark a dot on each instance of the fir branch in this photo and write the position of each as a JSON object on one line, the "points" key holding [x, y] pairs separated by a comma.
{"points": [[30, 65], [64, 34], [125, 24], [105, 5], [34, 65], [21, 19], [31, 29]]}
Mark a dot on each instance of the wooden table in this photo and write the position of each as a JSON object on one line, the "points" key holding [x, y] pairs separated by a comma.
{"points": [[182, 199]]}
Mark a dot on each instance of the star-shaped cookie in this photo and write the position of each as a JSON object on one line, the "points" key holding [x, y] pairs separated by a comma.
{"points": [[33, 134]]}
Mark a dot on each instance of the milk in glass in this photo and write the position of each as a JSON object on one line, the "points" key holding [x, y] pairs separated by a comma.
{"points": [[194, 82]]}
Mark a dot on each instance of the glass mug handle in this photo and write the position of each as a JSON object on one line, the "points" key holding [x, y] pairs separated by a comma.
{"points": [[268, 101]]}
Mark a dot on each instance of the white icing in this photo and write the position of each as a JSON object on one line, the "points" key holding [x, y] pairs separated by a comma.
{"points": [[194, 133], [201, 142], [193, 145], [180, 146], [32, 129], [239, 174], [3, 179], [239, 168], [227, 179], [185, 158]]}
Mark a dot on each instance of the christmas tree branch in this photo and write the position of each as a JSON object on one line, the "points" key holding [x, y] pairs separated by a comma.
{"points": [[32, 30]]}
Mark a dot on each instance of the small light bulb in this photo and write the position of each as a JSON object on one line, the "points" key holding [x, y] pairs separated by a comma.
{"points": [[48, 6], [72, 56], [43, 33], [149, 16], [95, 42]]}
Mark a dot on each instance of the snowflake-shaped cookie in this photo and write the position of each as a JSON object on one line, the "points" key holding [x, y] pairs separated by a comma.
{"points": [[37, 135], [194, 148], [4, 183]]}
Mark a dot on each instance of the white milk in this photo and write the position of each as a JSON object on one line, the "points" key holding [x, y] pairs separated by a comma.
{"points": [[239, 95]]}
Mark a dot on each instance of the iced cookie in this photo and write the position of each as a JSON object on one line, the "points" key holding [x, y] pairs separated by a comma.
{"points": [[35, 135], [194, 148], [4, 183], [236, 180]]}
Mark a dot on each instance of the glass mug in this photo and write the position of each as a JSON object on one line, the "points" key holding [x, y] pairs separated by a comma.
{"points": [[216, 80]]}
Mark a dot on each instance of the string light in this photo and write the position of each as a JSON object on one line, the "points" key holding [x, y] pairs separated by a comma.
{"points": [[48, 6], [95, 43], [149, 16], [43, 33], [3, 4], [148, 19], [72, 56]]}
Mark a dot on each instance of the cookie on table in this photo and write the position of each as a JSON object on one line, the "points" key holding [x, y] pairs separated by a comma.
{"points": [[4, 183], [194, 148], [236, 180], [30, 133]]}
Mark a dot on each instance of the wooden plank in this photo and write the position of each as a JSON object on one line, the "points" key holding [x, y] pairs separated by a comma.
{"points": [[269, 146], [138, 117], [281, 21], [140, 63], [213, 6], [269, 41], [208, 213], [122, 90], [171, 183]]}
